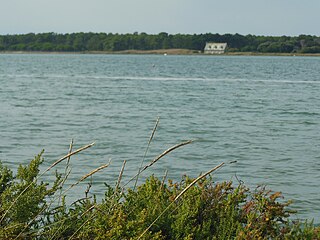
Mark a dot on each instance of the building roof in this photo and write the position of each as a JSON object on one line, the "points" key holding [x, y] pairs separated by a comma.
{"points": [[212, 46]]}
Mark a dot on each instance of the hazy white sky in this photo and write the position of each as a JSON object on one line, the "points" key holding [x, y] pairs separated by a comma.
{"points": [[258, 17]]}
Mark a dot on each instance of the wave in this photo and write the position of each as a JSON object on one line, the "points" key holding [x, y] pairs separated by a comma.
{"points": [[160, 78]]}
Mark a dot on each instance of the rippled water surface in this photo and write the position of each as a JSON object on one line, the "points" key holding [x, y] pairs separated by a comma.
{"points": [[263, 112]]}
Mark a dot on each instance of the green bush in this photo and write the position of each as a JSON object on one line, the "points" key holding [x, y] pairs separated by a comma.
{"points": [[22, 199], [30, 209]]}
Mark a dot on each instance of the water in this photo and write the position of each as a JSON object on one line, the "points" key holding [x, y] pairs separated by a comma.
{"points": [[263, 112]]}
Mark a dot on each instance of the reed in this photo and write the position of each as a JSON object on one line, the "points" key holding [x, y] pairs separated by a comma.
{"points": [[68, 156], [88, 175], [120, 176], [67, 170], [158, 158], [146, 151]]}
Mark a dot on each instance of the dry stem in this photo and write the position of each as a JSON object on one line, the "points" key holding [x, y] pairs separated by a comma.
{"points": [[159, 157], [145, 153]]}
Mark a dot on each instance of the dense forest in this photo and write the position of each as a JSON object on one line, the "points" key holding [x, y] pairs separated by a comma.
{"points": [[79, 42]]}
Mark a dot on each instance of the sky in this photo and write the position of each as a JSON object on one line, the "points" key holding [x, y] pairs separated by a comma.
{"points": [[257, 17]]}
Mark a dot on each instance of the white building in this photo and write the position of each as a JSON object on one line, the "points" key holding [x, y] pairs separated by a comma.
{"points": [[215, 48]]}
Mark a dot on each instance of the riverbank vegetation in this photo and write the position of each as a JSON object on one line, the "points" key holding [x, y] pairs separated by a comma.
{"points": [[157, 208], [109, 42]]}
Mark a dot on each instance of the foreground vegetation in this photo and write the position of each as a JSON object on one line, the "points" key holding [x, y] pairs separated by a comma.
{"points": [[79, 42], [156, 209]]}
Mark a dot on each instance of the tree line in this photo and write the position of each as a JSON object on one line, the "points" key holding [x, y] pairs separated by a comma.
{"points": [[79, 42]]}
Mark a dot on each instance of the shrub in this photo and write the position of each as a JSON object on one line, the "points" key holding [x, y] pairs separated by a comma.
{"points": [[22, 199], [154, 210]]}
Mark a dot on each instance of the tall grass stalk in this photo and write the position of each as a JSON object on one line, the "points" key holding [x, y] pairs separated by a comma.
{"points": [[159, 157], [68, 156], [67, 170], [147, 149], [88, 175], [164, 179], [120, 175]]}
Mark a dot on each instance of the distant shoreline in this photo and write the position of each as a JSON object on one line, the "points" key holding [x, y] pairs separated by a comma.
{"points": [[166, 52]]}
